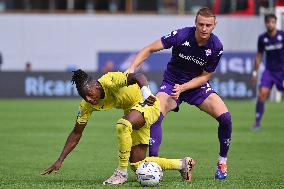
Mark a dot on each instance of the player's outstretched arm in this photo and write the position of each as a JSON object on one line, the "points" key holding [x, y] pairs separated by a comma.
{"points": [[144, 54], [138, 78], [142, 81], [72, 140]]}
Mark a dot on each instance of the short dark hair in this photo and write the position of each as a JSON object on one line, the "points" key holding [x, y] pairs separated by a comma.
{"points": [[206, 12], [267, 17], [81, 79]]}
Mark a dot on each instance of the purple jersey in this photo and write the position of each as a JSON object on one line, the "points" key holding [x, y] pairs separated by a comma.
{"points": [[273, 47], [189, 59]]}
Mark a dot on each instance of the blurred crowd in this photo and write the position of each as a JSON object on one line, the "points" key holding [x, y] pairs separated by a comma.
{"points": [[248, 7]]}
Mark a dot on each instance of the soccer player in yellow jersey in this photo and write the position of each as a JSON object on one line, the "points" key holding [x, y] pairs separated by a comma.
{"points": [[141, 109]]}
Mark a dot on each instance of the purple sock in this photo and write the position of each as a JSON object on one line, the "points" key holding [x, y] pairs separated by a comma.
{"points": [[224, 133], [259, 112], [156, 137]]}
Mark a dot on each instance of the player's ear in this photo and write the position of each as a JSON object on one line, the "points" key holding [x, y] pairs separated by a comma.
{"points": [[215, 23]]}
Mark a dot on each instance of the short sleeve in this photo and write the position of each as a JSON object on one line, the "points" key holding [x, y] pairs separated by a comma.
{"points": [[114, 80], [260, 45], [84, 113], [174, 38], [216, 56]]}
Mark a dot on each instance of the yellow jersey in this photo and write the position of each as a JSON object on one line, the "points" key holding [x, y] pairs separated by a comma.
{"points": [[117, 95]]}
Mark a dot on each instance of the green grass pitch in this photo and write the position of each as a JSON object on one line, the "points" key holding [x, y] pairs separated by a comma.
{"points": [[33, 132]]}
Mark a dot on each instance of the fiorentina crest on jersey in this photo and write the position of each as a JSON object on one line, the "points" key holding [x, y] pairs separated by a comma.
{"points": [[208, 52]]}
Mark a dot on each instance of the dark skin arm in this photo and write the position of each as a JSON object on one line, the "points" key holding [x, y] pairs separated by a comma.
{"points": [[71, 142], [141, 80]]}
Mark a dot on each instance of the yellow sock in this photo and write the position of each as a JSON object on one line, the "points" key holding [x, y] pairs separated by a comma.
{"points": [[124, 130], [166, 164]]}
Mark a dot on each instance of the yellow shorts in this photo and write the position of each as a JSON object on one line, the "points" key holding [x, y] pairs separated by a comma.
{"points": [[151, 115]]}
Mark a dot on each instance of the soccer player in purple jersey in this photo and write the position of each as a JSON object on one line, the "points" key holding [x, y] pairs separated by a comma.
{"points": [[270, 42], [196, 52]]}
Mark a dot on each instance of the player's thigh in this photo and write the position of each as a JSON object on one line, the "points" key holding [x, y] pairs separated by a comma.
{"points": [[213, 105], [138, 153], [142, 115], [167, 103], [141, 132], [136, 119], [263, 93]]}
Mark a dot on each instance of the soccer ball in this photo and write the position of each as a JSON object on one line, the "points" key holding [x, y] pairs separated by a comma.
{"points": [[149, 174]]}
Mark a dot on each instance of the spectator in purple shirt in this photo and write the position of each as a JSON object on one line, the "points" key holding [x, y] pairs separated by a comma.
{"points": [[271, 42], [196, 52]]}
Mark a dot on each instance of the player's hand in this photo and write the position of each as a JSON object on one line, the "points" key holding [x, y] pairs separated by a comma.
{"points": [[176, 91], [54, 168], [130, 70], [150, 100]]}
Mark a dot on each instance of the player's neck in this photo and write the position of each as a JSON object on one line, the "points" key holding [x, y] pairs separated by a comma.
{"points": [[200, 41], [272, 33]]}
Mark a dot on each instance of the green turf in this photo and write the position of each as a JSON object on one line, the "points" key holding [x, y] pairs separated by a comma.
{"points": [[33, 132]]}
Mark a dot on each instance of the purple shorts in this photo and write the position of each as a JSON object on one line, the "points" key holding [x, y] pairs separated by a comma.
{"points": [[269, 78], [193, 97]]}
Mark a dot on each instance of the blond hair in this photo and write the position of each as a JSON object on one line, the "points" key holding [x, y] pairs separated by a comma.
{"points": [[206, 12]]}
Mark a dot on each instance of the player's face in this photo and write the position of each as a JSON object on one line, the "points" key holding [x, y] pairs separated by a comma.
{"points": [[270, 25], [204, 26], [92, 94]]}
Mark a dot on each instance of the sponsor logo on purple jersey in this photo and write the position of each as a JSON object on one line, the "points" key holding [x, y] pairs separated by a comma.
{"points": [[273, 47]]}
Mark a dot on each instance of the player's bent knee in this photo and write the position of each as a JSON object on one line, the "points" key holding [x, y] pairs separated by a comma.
{"points": [[263, 94], [123, 125], [262, 97], [136, 119]]}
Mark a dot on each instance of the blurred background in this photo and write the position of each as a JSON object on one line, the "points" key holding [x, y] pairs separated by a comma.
{"points": [[43, 40]]}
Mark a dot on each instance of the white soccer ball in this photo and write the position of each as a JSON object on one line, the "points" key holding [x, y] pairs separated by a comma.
{"points": [[149, 174]]}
